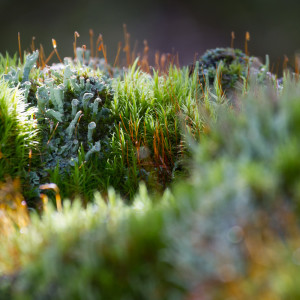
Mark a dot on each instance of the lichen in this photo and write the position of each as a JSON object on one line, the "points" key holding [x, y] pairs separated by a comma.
{"points": [[71, 102]]}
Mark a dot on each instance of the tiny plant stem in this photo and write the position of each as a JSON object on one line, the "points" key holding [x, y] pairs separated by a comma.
{"points": [[49, 57], [163, 62], [52, 133], [54, 187], [145, 64], [55, 49], [195, 58], [42, 56], [232, 39], [91, 32], [76, 35], [177, 60], [78, 123], [83, 52], [118, 54], [105, 53], [30, 157], [32, 44], [145, 134], [124, 124], [170, 59], [127, 45], [131, 130], [45, 201], [247, 39], [97, 44], [20, 50], [133, 55]]}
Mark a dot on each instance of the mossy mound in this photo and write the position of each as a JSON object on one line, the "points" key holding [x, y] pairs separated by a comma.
{"points": [[18, 133], [226, 65]]}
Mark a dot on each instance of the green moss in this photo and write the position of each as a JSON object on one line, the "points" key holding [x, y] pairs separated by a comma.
{"points": [[18, 133], [229, 65], [232, 219]]}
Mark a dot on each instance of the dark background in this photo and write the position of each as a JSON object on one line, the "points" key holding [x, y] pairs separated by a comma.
{"points": [[187, 26]]}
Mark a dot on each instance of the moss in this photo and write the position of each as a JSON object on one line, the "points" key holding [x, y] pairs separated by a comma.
{"points": [[231, 65], [18, 132]]}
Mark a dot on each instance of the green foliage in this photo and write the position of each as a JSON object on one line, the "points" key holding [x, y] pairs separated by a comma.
{"points": [[228, 231], [140, 135], [73, 118], [96, 250], [153, 114], [226, 67], [18, 133], [6, 62], [231, 220], [264, 134]]}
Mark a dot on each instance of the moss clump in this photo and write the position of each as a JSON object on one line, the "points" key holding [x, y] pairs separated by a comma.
{"points": [[212, 231], [67, 99], [18, 132], [229, 65]]}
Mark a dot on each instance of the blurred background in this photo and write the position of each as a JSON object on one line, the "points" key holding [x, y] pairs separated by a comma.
{"points": [[188, 26]]}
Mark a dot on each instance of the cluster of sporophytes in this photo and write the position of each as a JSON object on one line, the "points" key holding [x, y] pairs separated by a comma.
{"points": [[154, 114], [229, 231]]}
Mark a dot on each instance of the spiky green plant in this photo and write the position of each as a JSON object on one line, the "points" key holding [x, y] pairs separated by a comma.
{"points": [[19, 134], [153, 115], [6, 62]]}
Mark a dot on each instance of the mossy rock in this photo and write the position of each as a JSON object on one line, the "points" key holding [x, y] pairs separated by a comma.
{"points": [[231, 65]]}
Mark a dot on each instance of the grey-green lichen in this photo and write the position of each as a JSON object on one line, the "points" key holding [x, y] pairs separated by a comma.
{"points": [[91, 128], [72, 101], [29, 64]]}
